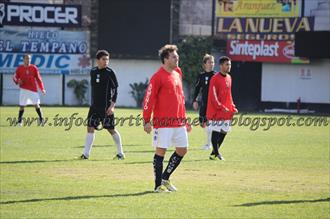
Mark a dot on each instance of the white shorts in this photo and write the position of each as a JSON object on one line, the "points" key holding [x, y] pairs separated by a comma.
{"points": [[166, 137], [220, 125], [27, 97]]}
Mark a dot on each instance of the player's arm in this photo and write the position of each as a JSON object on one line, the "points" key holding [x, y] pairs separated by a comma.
{"points": [[214, 95], [232, 103], [39, 80], [196, 92], [149, 101], [113, 93], [111, 108], [16, 78]]}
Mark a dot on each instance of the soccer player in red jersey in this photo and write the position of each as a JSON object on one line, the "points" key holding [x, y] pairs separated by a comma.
{"points": [[164, 99], [220, 106], [28, 78]]}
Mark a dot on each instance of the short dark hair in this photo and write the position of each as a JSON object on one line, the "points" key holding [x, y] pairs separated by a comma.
{"points": [[166, 50], [223, 59], [101, 53]]}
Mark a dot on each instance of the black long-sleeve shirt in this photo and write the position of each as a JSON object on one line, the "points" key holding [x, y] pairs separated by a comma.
{"points": [[202, 85], [104, 87]]}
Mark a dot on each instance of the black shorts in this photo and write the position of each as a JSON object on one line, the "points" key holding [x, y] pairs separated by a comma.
{"points": [[97, 116]]}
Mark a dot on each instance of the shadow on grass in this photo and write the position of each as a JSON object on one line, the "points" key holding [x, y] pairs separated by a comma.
{"points": [[91, 160], [281, 202], [48, 161], [69, 198], [128, 150], [34, 161], [165, 161], [110, 145]]}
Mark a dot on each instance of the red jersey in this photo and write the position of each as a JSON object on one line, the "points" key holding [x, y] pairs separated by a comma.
{"points": [[220, 99], [165, 99], [29, 77]]}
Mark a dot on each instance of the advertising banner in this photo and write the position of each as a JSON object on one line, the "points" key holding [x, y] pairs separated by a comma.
{"points": [[51, 15], [47, 63], [53, 51], [262, 28], [263, 51], [258, 8]]}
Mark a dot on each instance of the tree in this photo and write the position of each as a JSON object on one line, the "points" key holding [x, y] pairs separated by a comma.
{"points": [[191, 51], [79, 89], [138, 91]]}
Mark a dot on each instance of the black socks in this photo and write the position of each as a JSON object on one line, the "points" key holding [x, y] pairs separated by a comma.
{"points": [[217, 139], [173, 163], [20, 115], [158, 169], [39, 113]]}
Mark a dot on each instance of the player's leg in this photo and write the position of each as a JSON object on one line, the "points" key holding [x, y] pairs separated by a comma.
{"points": [[219, 130], [161, 141], [117, 139], [208, 134], [225, 128], [39, 112], [202, 120], [20, 115], [89, 140], [217, 139], [158, 169], [93, 122], [22, 104], [173, 163], [180, 141], [109, 124]]}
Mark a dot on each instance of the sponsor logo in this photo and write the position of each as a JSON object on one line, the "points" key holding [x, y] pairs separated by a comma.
{"points": [[253, 49], [40, 14], [288, 51]]}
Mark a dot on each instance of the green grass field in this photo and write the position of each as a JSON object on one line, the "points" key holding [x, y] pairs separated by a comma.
{"points": [[280, 173]]}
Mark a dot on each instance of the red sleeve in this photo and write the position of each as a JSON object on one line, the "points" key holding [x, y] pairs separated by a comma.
{"points": [[214, 94], [234, 106], [38, 79], [150, 97], [231, 97], [16, 76]]}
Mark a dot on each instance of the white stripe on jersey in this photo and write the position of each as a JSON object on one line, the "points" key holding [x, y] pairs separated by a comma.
{"points": [[148, 97], [215, 96]]}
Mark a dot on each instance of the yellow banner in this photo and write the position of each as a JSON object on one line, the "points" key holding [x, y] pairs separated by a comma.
{"points": [[257, 8]]}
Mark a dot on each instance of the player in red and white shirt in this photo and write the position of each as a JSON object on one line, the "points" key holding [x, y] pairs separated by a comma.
{"points": [[220, 106], [164, 109], [28, 78]]}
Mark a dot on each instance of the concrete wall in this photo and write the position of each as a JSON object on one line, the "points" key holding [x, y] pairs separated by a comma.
{"points": [[69, 97], [288, 82], [130, 71], [52, 83], [53, 86], [127, 71]]}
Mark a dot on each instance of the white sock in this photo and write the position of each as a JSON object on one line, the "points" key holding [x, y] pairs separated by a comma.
{"points": [[89, 143], [208, 135], [117, 139]]}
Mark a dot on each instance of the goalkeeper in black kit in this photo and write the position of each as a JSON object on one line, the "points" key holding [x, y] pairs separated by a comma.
{"points": [[104, 92], [202, 87]]}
